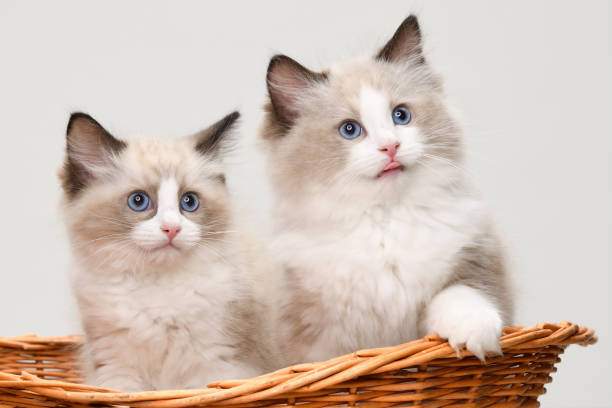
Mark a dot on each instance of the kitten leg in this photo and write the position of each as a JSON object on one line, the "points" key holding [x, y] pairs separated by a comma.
{"points": [[116, 378], [466, 317], [112, 368]]}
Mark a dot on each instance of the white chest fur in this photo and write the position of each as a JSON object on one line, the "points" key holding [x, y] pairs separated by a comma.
{"points": [[169, 329], [369, 278]]}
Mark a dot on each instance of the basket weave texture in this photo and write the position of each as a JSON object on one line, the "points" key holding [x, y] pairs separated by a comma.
{"points": [[43, 372]]}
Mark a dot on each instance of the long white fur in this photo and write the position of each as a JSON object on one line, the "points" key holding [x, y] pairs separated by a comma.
{"points": [[155, 317], [161, 329], [374, 254]]}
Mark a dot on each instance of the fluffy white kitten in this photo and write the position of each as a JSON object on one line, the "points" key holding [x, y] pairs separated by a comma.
{"points": [[160, 273], [379, 235]]}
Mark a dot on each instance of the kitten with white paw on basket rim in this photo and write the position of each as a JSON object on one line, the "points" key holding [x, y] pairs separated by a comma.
{"points": [[378, 233]]}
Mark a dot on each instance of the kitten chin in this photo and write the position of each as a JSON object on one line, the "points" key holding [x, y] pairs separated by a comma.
{"points": [[378, 231], [163, 278]]}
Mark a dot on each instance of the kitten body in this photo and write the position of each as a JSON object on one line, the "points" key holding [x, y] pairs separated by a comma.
{"points": [[381, 238], [160, 309]]}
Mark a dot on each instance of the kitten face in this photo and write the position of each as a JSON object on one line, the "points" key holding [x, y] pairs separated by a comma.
{"points": [[146, 202], [371, 124]]}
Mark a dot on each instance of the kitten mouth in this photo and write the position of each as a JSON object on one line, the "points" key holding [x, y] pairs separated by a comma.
{"points": [[166, 246], [392, 167]]}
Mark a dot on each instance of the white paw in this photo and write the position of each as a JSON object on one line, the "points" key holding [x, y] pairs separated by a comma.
{"points": [[479, 333], [467, 321]]}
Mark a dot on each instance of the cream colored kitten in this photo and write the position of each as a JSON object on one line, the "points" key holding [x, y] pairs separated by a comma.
{"points": [[162, 276], [380, 237]]}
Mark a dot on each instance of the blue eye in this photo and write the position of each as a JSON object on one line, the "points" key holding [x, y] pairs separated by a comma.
{"points": [[139, 201], [350, 129], [401, 115], [190, 202]]}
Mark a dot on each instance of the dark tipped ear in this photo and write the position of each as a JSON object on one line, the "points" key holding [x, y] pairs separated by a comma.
{"points": [[89, 149], [287, 80], [405, 44], [208, 141]]}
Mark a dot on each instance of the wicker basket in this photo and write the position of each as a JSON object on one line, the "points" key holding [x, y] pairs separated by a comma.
{"points": [[42, 372]]}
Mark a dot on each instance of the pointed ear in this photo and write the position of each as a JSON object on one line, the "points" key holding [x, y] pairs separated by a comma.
{"points": [[405, 43], [287, 81], [89, 149], [209, 141]]}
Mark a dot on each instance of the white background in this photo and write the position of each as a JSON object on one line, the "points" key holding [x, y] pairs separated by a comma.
{"points": [[531, 78]]}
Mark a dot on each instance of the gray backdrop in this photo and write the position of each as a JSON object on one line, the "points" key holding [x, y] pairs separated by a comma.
{"points": [[531, 78]]}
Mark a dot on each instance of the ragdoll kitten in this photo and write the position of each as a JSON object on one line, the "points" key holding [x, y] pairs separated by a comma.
{"points": [[379, 235], [160, 272]]}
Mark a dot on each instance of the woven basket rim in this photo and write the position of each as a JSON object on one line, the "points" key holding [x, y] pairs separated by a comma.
{"points": [[300, 378]]}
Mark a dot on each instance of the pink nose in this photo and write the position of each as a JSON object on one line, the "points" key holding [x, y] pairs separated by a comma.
{"points": [[390, 149], [171, 231]]}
